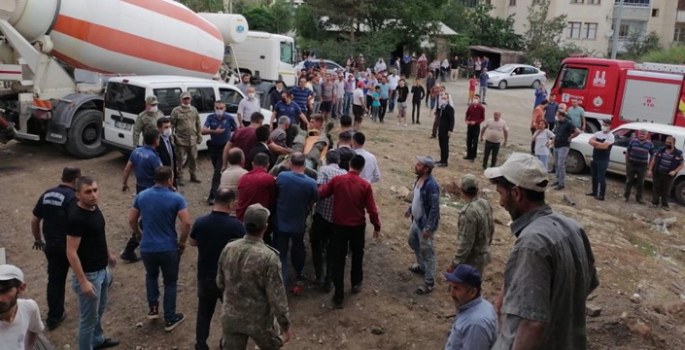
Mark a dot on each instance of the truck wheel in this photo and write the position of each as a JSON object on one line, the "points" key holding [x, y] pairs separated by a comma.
{"points": [[680, 191], [502, 85], [591, 127], [575, 163], [85, 134]]}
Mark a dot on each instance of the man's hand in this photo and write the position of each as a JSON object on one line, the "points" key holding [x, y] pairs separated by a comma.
{"points": [[649, 173], [426, 234], [124, 187], [407, 214], [449, 133], [671, 173], [88, 289], [199, 140], [449, 268], [112, 261], [181, 247], [285, 336], [504, 144], [218, 131], [376, 234], [481, 139], [38, 245]]}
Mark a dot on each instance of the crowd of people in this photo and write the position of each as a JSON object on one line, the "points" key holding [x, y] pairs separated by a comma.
{"points": [[268, 183]]}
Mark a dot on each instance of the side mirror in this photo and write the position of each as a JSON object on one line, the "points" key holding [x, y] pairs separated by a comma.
{"points": [[513, 73]]}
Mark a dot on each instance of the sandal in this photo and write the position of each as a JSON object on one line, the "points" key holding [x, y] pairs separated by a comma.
{"points": [[415, 268], [424, 289]]}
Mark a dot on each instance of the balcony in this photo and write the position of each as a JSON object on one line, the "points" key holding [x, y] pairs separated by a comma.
{"points": [[640, 10]]}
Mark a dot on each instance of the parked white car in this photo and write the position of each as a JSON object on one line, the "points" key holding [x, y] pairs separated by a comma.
{"points": [[331, 66], [516, 75], [580, 154]]}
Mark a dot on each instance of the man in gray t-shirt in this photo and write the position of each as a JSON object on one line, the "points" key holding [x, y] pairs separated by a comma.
{"points": [[551, 268]]}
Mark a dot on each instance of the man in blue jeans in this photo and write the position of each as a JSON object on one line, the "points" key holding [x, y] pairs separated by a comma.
{"points": [[89, 258], [425, 213], [564, 131], [160, 246], [296, 193], [601, 142]]}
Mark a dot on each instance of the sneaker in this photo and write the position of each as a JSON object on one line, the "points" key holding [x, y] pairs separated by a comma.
{"points": [[108, 343], [626, 199], [559, 187], [154, 313], [326, 287], [653, 205], [129, 256], [338, 303], [666, 208], [591, 194], [177, 320], [418, 123], [357, 289], [180, 182], [195, 180], [640, 201], [599, 198], [52, 325]]}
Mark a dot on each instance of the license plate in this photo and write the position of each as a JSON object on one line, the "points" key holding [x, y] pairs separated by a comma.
{"points": [[122, 125]]}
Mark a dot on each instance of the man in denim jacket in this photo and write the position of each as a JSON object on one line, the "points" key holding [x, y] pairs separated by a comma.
{"points": [[425, 213]]}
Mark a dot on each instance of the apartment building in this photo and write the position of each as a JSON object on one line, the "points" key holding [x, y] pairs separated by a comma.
{"points": [[590, 22]]}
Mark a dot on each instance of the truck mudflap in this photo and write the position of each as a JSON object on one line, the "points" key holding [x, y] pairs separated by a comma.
{"points": [[64, 111]]}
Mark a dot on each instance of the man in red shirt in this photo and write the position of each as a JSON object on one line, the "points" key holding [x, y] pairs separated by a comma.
{"points": [[352, 195], [257, 186], [246, 138], [475, 115]]}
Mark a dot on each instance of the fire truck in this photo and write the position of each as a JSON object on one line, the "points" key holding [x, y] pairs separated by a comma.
{"points": [[623, 91]]}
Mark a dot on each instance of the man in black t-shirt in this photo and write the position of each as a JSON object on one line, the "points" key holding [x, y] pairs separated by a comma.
{"points": [[564, 131], [210, 234], [345, 149], [601, 142], [89, 257], [52, 209]]}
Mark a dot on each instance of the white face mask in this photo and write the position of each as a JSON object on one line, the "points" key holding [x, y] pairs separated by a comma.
{"points": [[167, 132], [219, 112], [605, 128], [476, 101], [185, 105], [443, 103], [153, 109], [251, 95]]}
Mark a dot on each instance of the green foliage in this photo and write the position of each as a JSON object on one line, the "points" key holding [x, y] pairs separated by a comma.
{"points": [[283, 13], [260, 18], [638, 45], [674, 55], [372, 45], [307, 24], [203, 5], [542, 31], [550, 56], [483, 29]]}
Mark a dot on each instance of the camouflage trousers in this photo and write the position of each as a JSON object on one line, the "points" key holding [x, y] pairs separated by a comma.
{"points": [[479, 262], [189, 152], [265, 338]]}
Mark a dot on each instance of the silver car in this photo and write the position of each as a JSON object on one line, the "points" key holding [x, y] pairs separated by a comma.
{"points": [[580, 154], [516, 75], [330, 66]]}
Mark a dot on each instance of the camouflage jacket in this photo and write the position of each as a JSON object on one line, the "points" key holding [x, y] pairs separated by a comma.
{"points": [[145, 122], [474, 234], [186, 125], [250, 277]]}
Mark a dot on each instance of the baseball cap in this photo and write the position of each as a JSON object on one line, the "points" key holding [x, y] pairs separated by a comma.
{"points": [[466, 274], [469, 181], [185, 94], [644, 130], [151, 100], [360, 84], [10, 272], [523, 170], [426, 160], [257, 216]]}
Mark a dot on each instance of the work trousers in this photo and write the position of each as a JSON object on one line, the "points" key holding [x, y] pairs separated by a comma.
{"points": [[216, 152], [189, 152], [424, 252], [342, 239], [598, 170], [346, 103], [282, 241], [207, 295], [444, 143], [454, 74], [635, 176], [490, 148], [383, 109], [168, 263], [661, 188], [415, 107], [133, 243], [472, 133], [483, 92], [436, 123], [392, 101], [560, 155], [550, 125], [319, 238], [532, 144], [58, 270]]}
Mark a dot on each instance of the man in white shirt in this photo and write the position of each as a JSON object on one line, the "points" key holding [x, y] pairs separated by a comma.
{"points": [[370, 173], [247, 106], [339, 96], [393, 81], [358, 105], [20, 322]]}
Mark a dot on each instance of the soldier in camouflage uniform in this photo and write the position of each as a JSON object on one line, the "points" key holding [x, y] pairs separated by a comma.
{"points": [[254, 300], [147, 120], [476, 227], [185, 120]]}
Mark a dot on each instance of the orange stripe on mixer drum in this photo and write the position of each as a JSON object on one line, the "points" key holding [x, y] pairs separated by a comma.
{"points": [[180, 13], [135, 46]]}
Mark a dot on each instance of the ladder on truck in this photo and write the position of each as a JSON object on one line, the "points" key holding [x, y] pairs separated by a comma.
{"points": [[661, 67]]}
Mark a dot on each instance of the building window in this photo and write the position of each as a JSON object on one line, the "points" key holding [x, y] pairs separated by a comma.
{"points": [[577, 1], [471, 4], [635, 3], [512, 2], [573, 30], [655, 12], [590, 31], [679, 35], [536, 2], [594, 2]]}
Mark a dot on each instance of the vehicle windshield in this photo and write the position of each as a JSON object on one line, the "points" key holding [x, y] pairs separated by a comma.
{"points": [[287, 52], [507, 68], [125, 98]]}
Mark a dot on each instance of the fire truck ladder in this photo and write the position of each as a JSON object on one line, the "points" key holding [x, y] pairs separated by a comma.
{"points": [[661, 67]]}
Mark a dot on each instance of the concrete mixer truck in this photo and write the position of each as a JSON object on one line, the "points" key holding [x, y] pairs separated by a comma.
{"points": [[44, 40]]}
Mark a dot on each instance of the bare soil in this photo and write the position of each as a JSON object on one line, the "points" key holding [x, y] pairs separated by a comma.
{"points": [[631, 256]]}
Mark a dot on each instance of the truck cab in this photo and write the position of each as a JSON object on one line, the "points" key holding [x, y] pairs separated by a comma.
{"points": [[125, 99], [622, 91]]}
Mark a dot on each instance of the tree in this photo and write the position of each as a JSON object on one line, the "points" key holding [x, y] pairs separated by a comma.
{"points": [[483, 29], [282, 13], [542, 31], [638, 45], [307, 24], [259, 18], [203, 5]]}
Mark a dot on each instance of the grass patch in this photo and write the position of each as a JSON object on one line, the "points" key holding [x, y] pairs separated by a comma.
{"points": [[643, 246]]}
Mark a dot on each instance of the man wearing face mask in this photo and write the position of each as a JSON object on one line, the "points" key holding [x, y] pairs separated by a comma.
{"points": [[446, 115], [185, 121], [551, 268], [665, 165], [219, 126], [166, 149], [248, 106], [147, 120], [275, 94], [601, 143]]}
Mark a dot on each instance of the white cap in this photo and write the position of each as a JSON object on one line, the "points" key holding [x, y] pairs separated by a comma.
{"points": [[522, 170], [10, 272]]}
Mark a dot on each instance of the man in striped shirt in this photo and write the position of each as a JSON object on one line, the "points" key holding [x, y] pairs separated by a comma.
{"points": [[637, 158], [302, 95], [665, 165]]}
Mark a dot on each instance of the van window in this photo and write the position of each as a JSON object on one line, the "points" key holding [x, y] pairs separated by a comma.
{"points": [[202, 99], [574, 78], [232, 99], [622, 137], [287, 52], [168, 99], [659, 140], [125, 98]]}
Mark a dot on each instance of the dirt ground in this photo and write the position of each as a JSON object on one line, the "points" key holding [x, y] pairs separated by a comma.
{"points": [[632, 257]]}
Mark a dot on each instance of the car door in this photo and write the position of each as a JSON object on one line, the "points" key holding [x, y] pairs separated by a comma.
{"points": [[617, 160], [232, 99]]}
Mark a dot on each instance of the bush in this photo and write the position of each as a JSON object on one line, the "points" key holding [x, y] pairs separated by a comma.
{"points": [[371, 45], [674, 55], [550, 57]]}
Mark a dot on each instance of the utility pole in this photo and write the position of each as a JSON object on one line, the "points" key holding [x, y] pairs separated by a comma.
{"points": [[617, 29]]}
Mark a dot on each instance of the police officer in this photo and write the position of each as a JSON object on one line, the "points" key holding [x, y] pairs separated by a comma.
{"points": [[476, 227], [219, 126], [253, 293], [52, 209], [147, 120], [185, 121]]}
